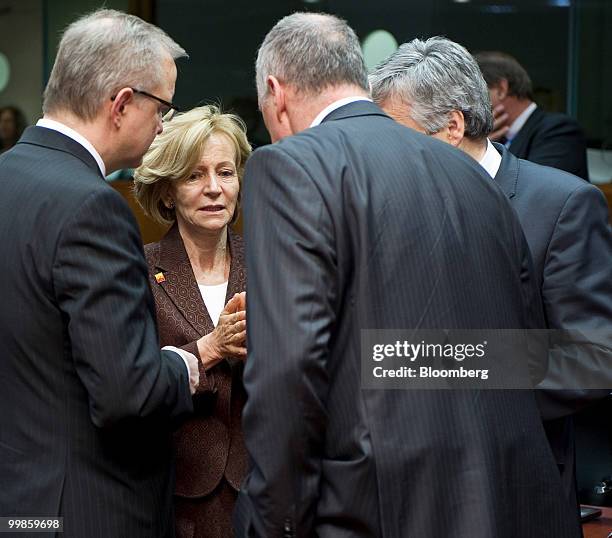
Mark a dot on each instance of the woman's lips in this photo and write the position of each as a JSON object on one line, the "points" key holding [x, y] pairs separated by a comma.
{"points": [[213, 208]]}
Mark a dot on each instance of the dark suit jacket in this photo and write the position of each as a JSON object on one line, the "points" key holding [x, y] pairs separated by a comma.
{"points": [[365, 224], [553, 140], [565, 221], [85, 398], [210, 444]]}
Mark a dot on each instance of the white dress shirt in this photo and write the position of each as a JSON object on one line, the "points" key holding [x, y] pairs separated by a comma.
{"points": [[518, 123], [491, 160]]}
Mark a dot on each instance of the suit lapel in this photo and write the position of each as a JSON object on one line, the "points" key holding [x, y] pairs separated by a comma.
{"points": [[179, 282], [507, 175], [236, 282], [237, 276]]}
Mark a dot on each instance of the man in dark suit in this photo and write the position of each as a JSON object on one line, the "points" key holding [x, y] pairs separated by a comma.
{"points": [[435, 87], [365, 224], [529, 132], [86, 398]]}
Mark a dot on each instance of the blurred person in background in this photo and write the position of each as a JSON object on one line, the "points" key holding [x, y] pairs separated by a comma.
{"points": [[529, 132], [190, 179], [12, 125]]}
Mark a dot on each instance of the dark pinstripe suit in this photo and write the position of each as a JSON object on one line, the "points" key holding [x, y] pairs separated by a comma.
{"points": [[363, 223], [85, 398]]}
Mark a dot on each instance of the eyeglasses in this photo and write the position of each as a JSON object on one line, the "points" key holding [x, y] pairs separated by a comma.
{"points": [[166, 111]]}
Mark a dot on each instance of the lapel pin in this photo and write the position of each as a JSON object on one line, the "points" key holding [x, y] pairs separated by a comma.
{"points": [[159, 278]]}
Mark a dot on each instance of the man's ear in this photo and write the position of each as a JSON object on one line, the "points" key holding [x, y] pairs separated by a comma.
{"points": [[277, 94], [119, 103], [455, 130]]}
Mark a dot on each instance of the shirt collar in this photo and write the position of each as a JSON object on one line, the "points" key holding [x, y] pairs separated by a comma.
{"points": [[491, 160], [518, 123], [335, 105], [71, 133]]}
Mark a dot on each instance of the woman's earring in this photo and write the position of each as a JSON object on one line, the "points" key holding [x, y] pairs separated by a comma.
{"points": [[170, 204]]}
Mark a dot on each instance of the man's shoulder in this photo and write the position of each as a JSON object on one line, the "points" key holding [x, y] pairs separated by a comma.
{"points": [[304, 149], [90, 190], [545, 194], [50, 168], [370, 147], [556, 183], [54, 183], [550, 121]]}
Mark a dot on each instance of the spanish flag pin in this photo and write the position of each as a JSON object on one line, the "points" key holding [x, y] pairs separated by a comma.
{"points": [[159, 278]]}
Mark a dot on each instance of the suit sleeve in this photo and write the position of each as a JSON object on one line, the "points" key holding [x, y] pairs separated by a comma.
{"points": [[577, 292], [291, 296], [101, 286], [560, 145]]}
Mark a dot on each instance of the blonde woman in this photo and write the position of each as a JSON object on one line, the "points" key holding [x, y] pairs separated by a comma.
{"points": [[190, 179]]}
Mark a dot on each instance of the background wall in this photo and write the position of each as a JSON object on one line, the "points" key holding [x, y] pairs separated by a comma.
{"points": [[21, 41], [30, 31], [595, 79], [59, 14]]}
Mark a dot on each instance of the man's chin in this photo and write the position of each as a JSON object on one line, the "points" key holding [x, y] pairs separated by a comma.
{"points": [[134, 162]]}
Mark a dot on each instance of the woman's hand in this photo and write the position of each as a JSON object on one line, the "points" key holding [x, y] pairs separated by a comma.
{"points": [[230, 332], [229, 336]]}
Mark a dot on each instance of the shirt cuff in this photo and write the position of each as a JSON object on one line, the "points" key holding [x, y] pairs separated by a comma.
{"points": [[185, 355]]}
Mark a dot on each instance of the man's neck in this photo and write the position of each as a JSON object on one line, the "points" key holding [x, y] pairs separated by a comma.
{"points": [[474, 148], [306, 107], [483, 152]]}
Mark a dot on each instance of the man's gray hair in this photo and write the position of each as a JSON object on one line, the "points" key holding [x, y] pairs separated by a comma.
{"points": [[435, 77], [101, 53], [311, 51]]}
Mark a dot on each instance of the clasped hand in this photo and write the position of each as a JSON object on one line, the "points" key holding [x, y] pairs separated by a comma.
{"points": [[230, 332], [228, 339]]}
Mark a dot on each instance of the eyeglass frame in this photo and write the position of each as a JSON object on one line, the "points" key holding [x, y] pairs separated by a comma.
{"points": [[165, 116]]}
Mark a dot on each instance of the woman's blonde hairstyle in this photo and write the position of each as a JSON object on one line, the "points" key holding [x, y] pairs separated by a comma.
{"points": [[176, 152]]}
